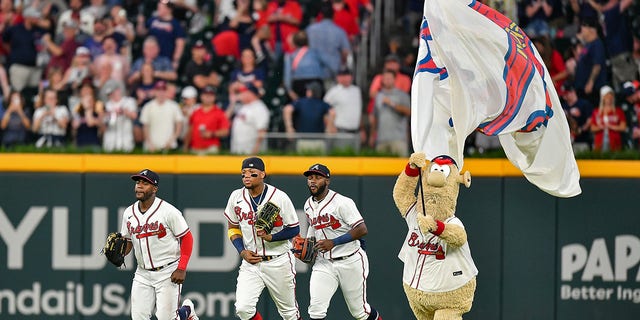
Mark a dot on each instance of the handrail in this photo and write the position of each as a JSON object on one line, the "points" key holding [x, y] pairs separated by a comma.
{"points": [[331, 140]]}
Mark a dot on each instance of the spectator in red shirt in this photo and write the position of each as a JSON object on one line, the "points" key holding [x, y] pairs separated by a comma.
{"points": [[608, 122], [63, 50], [207, 125], [284, 17], [345, 19], [553, 61]]}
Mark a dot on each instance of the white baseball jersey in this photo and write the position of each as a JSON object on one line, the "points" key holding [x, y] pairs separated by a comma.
{"points": [[330, 218], [155, 233], [49, 124], [429, 264], [249, 119], [118, 133], [240, 211]]}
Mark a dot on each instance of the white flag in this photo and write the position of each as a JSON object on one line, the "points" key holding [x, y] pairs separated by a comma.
{"points": [[477, 70]]}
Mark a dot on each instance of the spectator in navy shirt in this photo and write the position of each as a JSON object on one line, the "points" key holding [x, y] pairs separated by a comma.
{"points": [[539, 12], [246, 73], [309, 114], [168, 32], [590, 74], [618, 40], [22, 38]]}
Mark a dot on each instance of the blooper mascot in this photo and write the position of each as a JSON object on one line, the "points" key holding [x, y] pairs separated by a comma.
{"points": [[439, 275]]}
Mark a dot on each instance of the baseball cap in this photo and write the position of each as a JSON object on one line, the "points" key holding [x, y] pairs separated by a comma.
{"points": [[630, 87], [606, 90], [160, 85], [318, 168], [82, 51], [31, 12], [344, 70], [442, 160], [198, 44], [209, 89], [189, 92], [147, 175], [254, 163]]}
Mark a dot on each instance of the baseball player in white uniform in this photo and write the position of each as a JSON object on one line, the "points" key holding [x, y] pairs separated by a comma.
{"points": [[337, 225], [267, 260], [162, 243]]}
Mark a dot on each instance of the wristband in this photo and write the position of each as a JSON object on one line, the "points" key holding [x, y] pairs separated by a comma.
{"points": [[234, 231], [237, 242], [411, 172], [343, 239], [440, 228]]}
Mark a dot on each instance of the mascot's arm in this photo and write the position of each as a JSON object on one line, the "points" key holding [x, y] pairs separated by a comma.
{"points": [[453, 234], [404, 189]]}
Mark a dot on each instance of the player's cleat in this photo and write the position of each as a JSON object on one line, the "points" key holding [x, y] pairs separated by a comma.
{"points": [[187, 311]]}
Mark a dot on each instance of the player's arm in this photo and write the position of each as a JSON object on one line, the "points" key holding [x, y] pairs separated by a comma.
{"points": [[235, 235], [358, 231], [186, 248], [289, 218]]}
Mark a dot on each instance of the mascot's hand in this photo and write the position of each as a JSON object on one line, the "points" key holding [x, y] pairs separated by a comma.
{"points": [[418, 160], [427, 223]]}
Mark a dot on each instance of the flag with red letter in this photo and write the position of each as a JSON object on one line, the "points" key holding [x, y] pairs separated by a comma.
{"points": [[477, 70]]}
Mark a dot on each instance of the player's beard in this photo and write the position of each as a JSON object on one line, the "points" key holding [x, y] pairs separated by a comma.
{"points": [[319, 190]]}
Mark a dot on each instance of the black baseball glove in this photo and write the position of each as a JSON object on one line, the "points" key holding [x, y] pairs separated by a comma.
{"points": [[115, 248], [304, 249], [267, 216]]}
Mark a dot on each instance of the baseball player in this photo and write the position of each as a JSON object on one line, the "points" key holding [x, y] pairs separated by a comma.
{"points": [[336, 223], [267, 260], [162, 242]]}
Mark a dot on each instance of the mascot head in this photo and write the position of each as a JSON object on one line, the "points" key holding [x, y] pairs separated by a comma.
{"points": [[440, 184]]}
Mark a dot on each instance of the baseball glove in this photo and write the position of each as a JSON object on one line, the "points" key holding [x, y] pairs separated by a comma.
{"points": [[115, 248], [267, 216], [304, 249]]}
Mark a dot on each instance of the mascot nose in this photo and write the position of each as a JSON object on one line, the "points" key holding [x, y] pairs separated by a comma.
{"points": [[436, 179]]}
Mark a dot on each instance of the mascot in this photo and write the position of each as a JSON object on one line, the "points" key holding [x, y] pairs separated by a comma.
{"points": [[439, 275]]}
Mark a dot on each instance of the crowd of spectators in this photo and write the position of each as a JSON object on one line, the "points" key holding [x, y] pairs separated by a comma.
{"points": [[217, 76], [592, 51]]}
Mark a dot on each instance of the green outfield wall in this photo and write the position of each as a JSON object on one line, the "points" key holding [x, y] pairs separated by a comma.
{"points": [[539, 257]]}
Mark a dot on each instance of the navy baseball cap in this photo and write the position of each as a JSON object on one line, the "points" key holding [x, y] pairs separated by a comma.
{"points": [[147, 175], [253, 162], [318, 168]]}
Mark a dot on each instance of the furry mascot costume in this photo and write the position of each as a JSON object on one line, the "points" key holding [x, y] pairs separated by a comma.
{"points": [[439, 276]]}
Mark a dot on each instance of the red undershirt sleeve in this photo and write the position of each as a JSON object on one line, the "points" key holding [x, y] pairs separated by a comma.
{"points": [[186, 247]]}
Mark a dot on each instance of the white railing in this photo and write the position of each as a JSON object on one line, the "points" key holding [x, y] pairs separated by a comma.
{"points": [[321, 143]]}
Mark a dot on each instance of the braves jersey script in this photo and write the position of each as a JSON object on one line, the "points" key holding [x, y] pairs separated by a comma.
{"points": [[330, 218], [429, 265], [155, 233], [240, 211]]}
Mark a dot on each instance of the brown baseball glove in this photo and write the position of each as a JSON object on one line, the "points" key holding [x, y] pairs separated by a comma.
{"points": [[304, 249]]}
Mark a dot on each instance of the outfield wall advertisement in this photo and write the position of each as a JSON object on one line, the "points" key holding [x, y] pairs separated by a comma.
{"points": [[539, 257]]}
